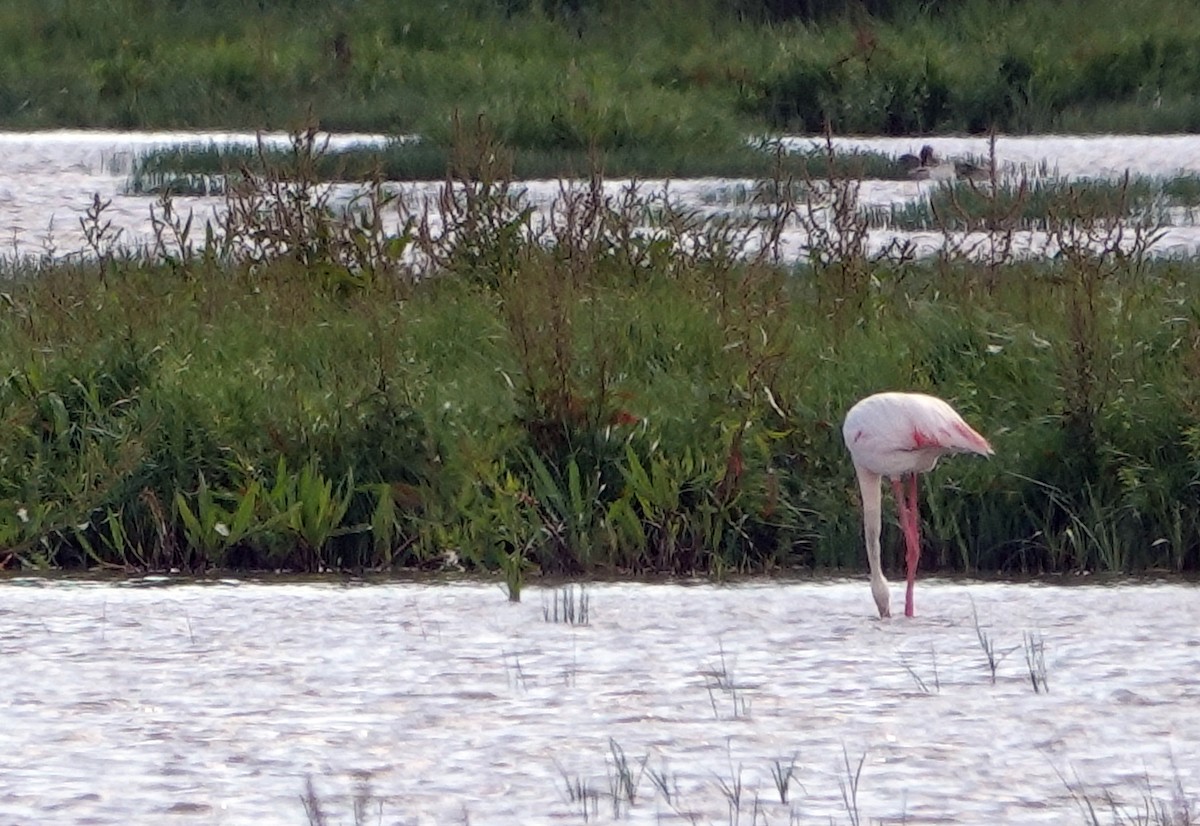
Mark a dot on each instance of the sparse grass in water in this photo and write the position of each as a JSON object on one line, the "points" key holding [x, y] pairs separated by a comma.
{"points": [[1033, 205], [1035, 661], [850, 786], [1152, 808], [365, 807], [665, 783], [733, 789], [580, 793], [517, 678], [988, 644], [719, 681], [624, 778], [783, 774], [923, 686], [570, 604], [1166, 805]]}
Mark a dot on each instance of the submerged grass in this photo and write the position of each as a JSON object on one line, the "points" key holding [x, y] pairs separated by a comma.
{"points": [[621, 386], [203, 168], [1039, 204]]}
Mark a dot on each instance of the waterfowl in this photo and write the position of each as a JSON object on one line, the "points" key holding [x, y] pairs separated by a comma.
{"points": [[970, 171], [911, 163], [927, 165]]}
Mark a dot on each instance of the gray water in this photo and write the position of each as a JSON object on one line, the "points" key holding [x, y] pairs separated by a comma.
{"points": [[212, 703], [47, 180]]}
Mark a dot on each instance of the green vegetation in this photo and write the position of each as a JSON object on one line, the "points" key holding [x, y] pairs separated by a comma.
{"points": [[203, 168], [649, 77], [624, 388], [1039, 204]]}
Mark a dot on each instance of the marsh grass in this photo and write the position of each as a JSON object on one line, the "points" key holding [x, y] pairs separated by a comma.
{"points": [[209, 168], [622, 386], [612, 74]]}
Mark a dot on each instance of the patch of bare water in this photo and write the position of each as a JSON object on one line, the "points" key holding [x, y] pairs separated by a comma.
{"points": [[211, 704], [47, 181]]}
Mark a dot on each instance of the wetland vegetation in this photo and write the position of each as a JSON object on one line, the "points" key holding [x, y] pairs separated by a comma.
{"points": [[628, 385], [649, 78], [622, 386]]}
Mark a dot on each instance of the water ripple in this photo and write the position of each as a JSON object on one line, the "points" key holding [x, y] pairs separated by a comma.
{"points": [[212, 704]]}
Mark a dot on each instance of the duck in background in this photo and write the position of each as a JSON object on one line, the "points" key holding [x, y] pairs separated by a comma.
{"points": [[926, 165], [915, 164]]}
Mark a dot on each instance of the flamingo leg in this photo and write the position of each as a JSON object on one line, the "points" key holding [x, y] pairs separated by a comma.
{"points": [[914, 542], [907, 509]]}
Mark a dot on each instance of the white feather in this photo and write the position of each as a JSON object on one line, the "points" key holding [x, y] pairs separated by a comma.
{"points": [[898, 435]]}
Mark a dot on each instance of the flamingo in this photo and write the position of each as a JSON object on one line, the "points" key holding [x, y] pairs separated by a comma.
{"points": [[899, 435]]}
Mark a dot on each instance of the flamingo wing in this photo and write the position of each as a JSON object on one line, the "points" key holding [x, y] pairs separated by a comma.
{"points": [[896, 433]]}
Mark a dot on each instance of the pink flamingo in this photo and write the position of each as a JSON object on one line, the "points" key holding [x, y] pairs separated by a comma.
{"points": [[899, 435]]}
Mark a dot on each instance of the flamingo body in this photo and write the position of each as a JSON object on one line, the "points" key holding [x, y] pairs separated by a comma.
{"points": [[899, 435]]}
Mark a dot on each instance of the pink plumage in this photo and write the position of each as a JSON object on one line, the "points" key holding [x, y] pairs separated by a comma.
{"points": [[899, 435]]}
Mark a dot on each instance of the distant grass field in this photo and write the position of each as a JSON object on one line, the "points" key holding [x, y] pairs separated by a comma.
{"points": [[658, 76]]}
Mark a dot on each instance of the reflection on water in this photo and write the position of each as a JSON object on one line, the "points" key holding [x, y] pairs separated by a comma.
{"points": [[212, 703], [47, 180]]}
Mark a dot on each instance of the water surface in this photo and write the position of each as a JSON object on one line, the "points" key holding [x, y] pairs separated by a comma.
{"points": [[48, 179], [212, 703]]}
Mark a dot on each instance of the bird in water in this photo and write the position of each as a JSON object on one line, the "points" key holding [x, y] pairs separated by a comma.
{"points": [[926, 165], [899, 435], [913, 164]]}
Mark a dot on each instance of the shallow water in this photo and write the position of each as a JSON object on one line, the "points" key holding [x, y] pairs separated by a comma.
{"points": [[212, 703], [47, 180]]}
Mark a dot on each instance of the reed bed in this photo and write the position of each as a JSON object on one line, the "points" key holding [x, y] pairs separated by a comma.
{"points": [[621, 387], [204, 168], [1039, 204]]}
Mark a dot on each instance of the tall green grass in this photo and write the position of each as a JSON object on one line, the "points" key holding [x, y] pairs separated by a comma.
{"points": [[625, 388], [619, 75]]}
